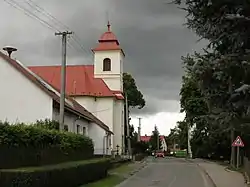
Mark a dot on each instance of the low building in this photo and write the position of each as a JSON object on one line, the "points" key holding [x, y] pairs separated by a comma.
{"points": [[163, 143], [25, 97]]}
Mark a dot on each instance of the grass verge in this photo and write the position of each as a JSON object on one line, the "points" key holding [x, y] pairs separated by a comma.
{"points": [[115, 177]]}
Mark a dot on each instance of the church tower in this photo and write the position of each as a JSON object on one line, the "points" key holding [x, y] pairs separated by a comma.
{"points": [[108, 60]]}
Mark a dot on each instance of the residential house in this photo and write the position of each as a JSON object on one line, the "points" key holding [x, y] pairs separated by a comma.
{"points": [[163, 143], [25, 97]]}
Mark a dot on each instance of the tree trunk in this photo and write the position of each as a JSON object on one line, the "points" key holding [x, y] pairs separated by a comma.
{"points": [[232, 160]]}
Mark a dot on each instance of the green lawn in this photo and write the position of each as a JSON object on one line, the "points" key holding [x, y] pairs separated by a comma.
{"points": [[115, 177]]}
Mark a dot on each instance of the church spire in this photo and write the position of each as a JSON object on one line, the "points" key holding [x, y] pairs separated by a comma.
{"points": [[108, 25]]}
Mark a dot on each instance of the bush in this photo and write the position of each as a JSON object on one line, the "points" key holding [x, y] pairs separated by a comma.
{"points": [[47, 124], [23, 145], [139, 157], [114, 163], [72, 174]]}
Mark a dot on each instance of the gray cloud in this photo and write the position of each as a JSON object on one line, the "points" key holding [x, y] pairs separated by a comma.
{"points": [[151, 33]]}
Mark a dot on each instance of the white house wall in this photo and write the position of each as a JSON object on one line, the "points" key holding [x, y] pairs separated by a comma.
{"points": [[21, 100], [72, 121]]}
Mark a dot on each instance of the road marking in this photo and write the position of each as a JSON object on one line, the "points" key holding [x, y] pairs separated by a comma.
{"points": [[172, 182]]}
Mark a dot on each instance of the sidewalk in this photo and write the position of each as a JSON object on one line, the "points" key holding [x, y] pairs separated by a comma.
{"points": [[220, 176]]}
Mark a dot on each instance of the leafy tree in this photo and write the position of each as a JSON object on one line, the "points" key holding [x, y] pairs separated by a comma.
{"points": [[223, 70], [135, 100], [135, 97], [154, 139]]}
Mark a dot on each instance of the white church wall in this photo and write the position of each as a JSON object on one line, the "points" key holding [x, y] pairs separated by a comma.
{"points": [[21, 100], [101, 107], [119, 124], [99, 138]]}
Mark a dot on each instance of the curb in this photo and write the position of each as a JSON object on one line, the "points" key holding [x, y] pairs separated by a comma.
{"points": [[204, 171], [132, 174], [207, 174], [246, 178]]}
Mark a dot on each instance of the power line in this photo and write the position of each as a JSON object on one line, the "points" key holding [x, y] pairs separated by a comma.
{"points": [[55, 21]]}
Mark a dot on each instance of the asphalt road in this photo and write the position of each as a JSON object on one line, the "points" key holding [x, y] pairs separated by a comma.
{"points": [[168, 172]]}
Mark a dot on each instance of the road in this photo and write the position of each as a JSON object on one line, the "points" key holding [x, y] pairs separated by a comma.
{"points": [[168, 172]]}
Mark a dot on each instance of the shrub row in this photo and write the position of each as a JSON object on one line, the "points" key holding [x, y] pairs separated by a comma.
{"points": [[139, 157], [72, 174], [22, 145], [118, 162]]}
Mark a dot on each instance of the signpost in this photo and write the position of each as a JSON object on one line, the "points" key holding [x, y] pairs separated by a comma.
{"points": [[238, 143]]}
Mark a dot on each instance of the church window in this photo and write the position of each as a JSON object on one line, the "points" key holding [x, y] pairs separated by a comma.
{"points": [[107, 64]]}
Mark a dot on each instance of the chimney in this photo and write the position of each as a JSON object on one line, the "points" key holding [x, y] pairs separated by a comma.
{"points": [[9, 50]]}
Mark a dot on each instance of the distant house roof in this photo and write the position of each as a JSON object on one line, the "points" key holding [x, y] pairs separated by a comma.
{"points": [[147, 138], [70, 104], [80, 80]]}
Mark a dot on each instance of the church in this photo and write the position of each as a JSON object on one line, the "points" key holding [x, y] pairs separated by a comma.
{"points": [[97, 89]]}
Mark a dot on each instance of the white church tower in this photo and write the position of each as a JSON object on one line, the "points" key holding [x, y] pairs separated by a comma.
{"points": [[108, 60], [108, 65]]}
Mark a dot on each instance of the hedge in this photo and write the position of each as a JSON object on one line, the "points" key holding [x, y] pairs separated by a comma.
{"points": [[72, 174], [22, 145]]}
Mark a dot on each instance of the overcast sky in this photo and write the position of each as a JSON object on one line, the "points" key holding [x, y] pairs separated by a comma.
{"points": [[151, 33]]}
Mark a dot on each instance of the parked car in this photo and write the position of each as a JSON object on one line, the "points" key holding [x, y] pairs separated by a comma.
{"points": [[159, 154]]}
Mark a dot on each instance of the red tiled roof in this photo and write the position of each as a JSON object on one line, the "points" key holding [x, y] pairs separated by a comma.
{"points": [[147, 138], [80, 80], [108, 41], [75, 107]]}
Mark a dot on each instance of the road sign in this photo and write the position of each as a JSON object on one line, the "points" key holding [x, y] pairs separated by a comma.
{"points": [[238, 142]]}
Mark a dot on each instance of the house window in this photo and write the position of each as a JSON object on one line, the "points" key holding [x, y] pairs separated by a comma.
{"points": [[107, 64], [66, 128], [84, 130], [77, 129]]}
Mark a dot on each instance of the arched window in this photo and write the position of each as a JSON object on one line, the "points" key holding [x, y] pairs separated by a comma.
{"points": [[107, 64]]}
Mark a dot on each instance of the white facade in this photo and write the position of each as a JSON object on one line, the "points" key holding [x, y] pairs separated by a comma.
{"points": [[164, 144], [108, 109], [23, 101], [84, 127], [111, 112], [112, 78]]}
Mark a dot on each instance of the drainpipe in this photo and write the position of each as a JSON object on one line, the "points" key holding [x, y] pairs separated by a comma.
{"points": [[105, 144]]}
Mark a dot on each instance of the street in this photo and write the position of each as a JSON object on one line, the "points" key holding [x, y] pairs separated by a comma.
{"points": [[168, 172]]}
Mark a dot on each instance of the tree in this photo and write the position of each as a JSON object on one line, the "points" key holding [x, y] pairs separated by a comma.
{"points": [[135, 99], [223, 70], [155, 139]]}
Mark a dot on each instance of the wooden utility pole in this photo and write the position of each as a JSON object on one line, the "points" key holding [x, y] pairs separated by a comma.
{"points": [[139, 131], [63, 76], [127, 124]]}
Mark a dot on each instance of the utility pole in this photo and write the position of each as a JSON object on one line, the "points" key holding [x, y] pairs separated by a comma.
{"points": [[188, 141], [63, 76], [127, 123], [139, 131]]}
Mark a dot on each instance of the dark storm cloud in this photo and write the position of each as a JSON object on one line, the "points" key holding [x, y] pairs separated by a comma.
{"points": [[151, 33]]}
